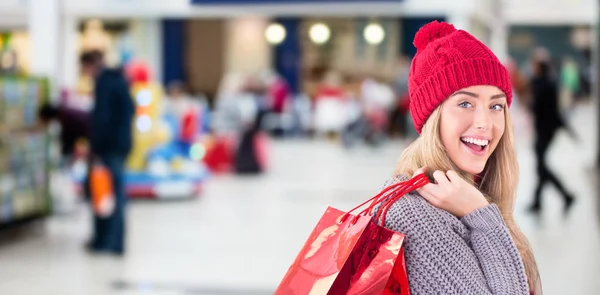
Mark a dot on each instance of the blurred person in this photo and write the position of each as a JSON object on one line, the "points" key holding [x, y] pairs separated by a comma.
{"points": [[399, 113], [110, 142], [252, 151], [461, 237], [547, 121], [277, 91], [178, 102], [537, 54], [520, 84], [225, 118], [331, 87], [278, 94], [188, 113], [357, 126], [251, 101], [330, 106], [378, 100], [569, 84], [521, 99], [74, 126]]}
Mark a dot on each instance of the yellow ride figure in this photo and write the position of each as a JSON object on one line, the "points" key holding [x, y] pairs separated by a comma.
{"points": [[148, 128]]}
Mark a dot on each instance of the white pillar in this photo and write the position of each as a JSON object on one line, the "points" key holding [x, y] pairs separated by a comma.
{"points": [[500, 30], [147, 40], [500, 42], [69, 71], [248, 52], [44, 20]]}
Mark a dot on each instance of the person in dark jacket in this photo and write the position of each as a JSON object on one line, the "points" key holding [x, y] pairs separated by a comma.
{"points": [[110, 142], [547, 122]]}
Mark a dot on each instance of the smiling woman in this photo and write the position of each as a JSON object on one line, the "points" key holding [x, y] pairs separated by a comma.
{"points": [[472, 123], [460, 234]]}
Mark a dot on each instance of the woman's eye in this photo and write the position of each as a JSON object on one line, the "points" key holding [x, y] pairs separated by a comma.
{"points": [[498, 107], [464, 104]]}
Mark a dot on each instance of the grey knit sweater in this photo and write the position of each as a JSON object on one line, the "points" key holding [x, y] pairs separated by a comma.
{"points": [[447, 255]]}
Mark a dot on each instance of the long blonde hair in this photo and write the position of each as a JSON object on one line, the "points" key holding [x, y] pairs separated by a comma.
{"points": [[498, 184]]}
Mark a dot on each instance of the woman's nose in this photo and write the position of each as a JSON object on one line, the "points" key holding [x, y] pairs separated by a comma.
{"points": [[482, 119]]}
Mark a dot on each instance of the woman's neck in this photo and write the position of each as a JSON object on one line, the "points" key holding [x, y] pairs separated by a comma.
{"points": [[477, 178]]}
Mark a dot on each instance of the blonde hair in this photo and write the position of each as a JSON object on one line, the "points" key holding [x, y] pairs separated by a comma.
{"points": [[498, 183]]}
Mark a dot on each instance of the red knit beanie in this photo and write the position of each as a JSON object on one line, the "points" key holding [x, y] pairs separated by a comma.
{"points": [[448, 60]]}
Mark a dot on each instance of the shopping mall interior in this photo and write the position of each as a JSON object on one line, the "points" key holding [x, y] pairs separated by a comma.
{"points": [[249, 118]]}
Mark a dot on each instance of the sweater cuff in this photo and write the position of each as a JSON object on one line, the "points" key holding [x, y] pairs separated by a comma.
{"points": [[484, 219]]}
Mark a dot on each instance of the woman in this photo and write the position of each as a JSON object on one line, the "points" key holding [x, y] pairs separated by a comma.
{"points": [[460, 234]]}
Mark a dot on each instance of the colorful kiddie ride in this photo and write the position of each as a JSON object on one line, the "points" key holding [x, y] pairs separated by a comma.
{"points": [[166, 160]]}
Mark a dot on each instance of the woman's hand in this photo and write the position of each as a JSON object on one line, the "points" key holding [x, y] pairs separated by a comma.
{"points": [[452, 193]]}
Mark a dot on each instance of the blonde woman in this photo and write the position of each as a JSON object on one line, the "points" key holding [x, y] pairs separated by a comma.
{"points": [[460, 234]]}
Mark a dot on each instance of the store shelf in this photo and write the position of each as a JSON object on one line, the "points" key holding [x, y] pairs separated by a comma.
{"points": [[23, 156]]}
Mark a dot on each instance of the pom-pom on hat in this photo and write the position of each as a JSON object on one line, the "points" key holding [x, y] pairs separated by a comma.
{"points": [[448, 60]]}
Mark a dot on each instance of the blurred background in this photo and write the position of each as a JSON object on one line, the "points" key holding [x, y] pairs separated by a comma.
{"points": [[251, 117]]}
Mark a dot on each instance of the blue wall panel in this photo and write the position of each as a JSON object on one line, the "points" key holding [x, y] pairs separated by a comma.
{"points": [[173, 50], [288, 55]]}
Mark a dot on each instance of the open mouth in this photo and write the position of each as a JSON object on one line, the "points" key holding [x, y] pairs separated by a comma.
{"points": [[477, 146]]}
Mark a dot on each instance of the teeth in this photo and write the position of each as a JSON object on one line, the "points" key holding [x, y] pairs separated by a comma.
{"points": [[480, 142]]}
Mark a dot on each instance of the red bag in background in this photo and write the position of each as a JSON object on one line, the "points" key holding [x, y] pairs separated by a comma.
{"points": [[352, 254], [219, 154]]}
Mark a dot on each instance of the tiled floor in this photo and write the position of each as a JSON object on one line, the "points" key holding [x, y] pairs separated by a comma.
{"points": [[242, 234]]}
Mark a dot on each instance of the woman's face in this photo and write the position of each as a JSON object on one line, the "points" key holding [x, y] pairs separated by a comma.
{"points": [[472, 123]]}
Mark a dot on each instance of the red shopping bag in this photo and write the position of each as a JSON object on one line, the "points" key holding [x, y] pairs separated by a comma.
{"points": [[353, 254]]}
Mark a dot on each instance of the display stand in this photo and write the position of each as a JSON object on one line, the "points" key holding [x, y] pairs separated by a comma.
{"points": [[24, 157]]}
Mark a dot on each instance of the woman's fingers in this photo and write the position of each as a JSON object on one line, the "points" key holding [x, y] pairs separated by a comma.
{"points": [[440, 178], [427, 195], [453, 176], [431, 193]]}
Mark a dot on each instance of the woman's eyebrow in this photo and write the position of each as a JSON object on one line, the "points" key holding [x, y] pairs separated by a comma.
{"points": [[497, 96], [465, 93]]}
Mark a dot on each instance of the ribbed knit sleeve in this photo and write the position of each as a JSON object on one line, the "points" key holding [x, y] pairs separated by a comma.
{"points": [[445, 255], [495, 249]]}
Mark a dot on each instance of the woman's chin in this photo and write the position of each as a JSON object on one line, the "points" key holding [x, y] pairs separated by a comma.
{"points": [[472, 168]]}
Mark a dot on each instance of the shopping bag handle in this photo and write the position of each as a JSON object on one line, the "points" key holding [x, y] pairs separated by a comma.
{"points": [[388, 197], [415, 183]]}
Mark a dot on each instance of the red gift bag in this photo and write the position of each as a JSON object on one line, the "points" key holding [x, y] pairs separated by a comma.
{"points": [[353, 254]]}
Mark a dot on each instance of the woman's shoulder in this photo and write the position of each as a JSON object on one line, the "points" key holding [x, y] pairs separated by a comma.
{"points": [[412, 212], [412, 200]]}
